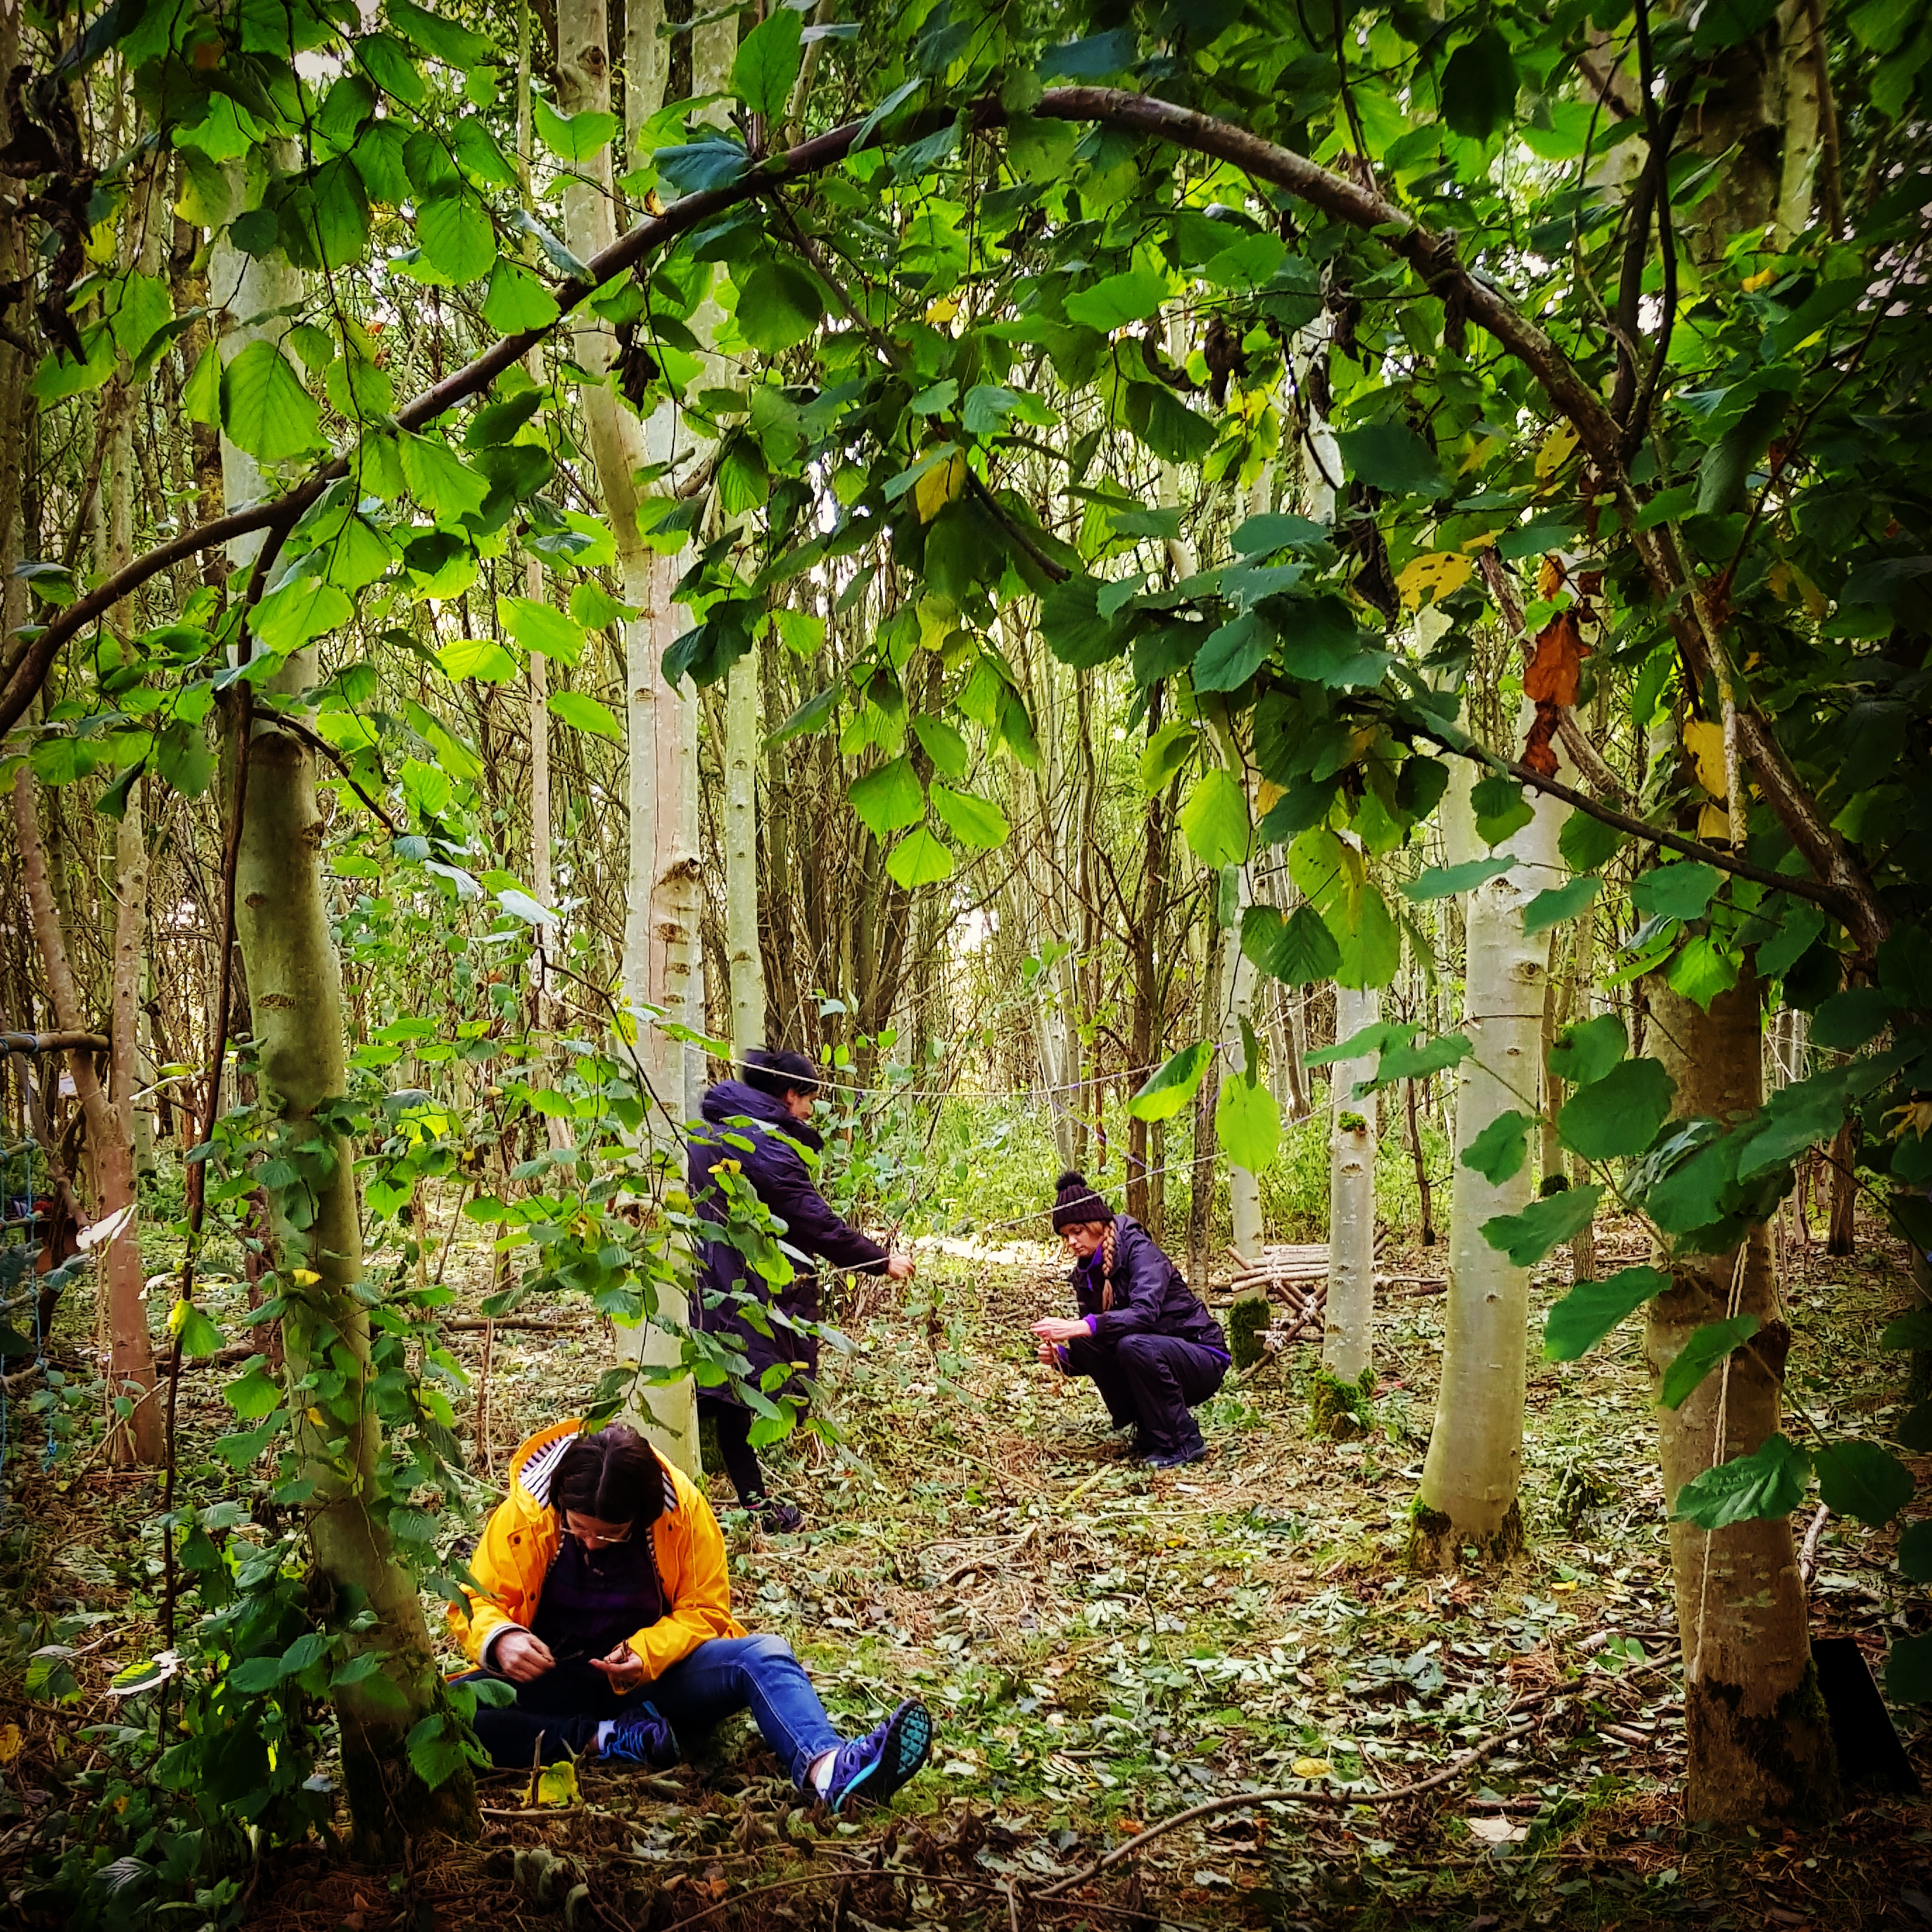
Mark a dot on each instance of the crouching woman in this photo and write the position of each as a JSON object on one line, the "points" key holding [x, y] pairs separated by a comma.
{"points": [[605, 1602], [1152, 1350]]}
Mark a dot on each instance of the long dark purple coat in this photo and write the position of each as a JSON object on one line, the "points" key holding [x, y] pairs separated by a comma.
{"points": [[778, 1174], [1151, 1296]]}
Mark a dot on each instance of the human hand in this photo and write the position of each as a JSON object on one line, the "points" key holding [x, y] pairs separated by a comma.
{"points": [[623, 1668], [521, 1657], [1061, 1328], [899, 1266], [1049, 1355]]}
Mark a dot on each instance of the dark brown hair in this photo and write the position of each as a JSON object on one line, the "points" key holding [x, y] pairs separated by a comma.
{"points": [[613, 1476]]}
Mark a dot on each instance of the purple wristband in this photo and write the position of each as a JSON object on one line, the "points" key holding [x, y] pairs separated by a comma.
{"points": [[1093, 1325]]}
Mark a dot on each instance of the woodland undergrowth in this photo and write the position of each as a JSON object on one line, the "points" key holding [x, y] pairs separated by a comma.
{"points": [[1101, 1648]]}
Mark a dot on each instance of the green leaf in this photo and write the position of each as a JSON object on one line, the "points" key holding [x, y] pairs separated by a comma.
{"points": [[253, 1393], [439, 479], [1234, 653], [1915, 1553], [585, 713], [440, 37], [1416, 1063], [1913, 1329], [945, 747], [1118, 300], [1076, 632], [265, 409], [971, 818], [1500, 1150], [1725, 23], [779, 304], [1863, 1480], [1552, 907], [1618, 1116], [1249, 1123], [1587, 844], [198, 1336], [437, 1751], [1678, 891], [458, 239], [516, 301], [1913, 1430], [1908, 1670], [201, 394], [1372, 947], [889, 799], [1706, 1347], [480, 657], [574, 137], [1214, 819], [1577, 1323], [1847, 1021], [919, 859], [767, 63], [1171, 1087], [541, 628], [1702, 969], [303, 608], [1479, 86], [1392, 458], [1543, 1225], [1501, 809], [1441, 882], [1586, 1052], [1768, 1482], [1302, 952]]}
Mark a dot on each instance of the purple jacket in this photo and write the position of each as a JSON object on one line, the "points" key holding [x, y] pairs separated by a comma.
{"points": [[778, 1174], [1150, 1296]]}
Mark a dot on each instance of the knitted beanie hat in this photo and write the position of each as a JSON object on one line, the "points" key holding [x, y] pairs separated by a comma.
{"points": [[1075, 1202]]}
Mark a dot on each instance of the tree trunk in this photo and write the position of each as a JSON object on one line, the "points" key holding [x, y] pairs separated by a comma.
{"points": [[1424, 1192], [661, 968], [1760, 1747], [1474, 1466], [1347, 1328], [1577, 1006], [1200, 1190], [1841, 1230], [741, 855], [294, 997], [109, 1136]]}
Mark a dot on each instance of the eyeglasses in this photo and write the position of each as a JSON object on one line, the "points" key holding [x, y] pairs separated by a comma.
{"points": [[592, 1540]]}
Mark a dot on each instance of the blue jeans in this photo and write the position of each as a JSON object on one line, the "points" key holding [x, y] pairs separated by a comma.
{"points": [[557, 1715]]}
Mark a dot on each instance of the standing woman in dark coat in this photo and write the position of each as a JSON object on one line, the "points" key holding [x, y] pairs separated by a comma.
{"points": [[770, 1109], [1153, 1351]]}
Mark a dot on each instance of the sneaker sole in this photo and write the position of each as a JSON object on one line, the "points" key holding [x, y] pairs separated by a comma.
{"points": [[907, 1743]]}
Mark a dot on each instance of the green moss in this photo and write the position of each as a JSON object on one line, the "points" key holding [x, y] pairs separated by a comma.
{"points": [[1338, 1410], [1351, 1123], [1780, 1768], [1247, 1322], [1435, 1544]]}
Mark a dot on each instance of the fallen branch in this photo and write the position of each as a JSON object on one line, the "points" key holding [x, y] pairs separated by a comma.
{"points": [[1807, 1557], [54, 1043]]}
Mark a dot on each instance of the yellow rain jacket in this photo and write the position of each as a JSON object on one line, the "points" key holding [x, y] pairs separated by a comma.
{"points": [[520, 1542]]}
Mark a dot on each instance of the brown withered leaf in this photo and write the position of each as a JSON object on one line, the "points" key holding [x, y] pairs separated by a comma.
{"points": [[1557, 663], [1539, 752]]}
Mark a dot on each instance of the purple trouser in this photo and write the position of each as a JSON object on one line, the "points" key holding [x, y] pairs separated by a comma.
{"points": [[1153, 1381]]}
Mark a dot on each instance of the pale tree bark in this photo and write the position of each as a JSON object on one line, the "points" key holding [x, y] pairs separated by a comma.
{"points": [[1348, 1331], [745, 955], [662, 973], [110, 1148], [1474, 1468], [1760, 1745], [1201, 1184], [295, 998], [1238, 980], [1799, 55]]}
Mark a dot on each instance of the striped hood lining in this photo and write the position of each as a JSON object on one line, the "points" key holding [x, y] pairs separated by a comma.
{"points": [[534, 1476]]}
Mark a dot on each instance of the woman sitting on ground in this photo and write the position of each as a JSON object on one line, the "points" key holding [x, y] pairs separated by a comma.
{"points": [[1153, 1351], [604, 1600]]}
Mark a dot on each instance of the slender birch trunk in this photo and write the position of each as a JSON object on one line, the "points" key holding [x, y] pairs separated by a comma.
{"points": [[110, 1137], [1475, 1464], [745, 955], [1760, 1745], [294, 997], [661, 965], [1348, 1346], [1201, 1183]]}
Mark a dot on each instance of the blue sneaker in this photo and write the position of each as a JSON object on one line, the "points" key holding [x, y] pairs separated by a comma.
{"points": [[641, 1737], [875, 1766]]}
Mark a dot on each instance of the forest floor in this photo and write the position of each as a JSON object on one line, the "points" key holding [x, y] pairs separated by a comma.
{"points": [[1101, 1646]]}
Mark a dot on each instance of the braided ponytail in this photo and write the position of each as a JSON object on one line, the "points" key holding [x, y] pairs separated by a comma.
{"points": [[1107, 1249]]}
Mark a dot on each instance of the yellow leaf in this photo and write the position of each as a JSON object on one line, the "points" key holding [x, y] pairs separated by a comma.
{"points": [[1555, 451], [1311, 1767], [304, 1277], [101, 245], [1268, 795], [1762, 279], [178, 1315], [1714, 822], [1433, 575], [942, 310], [11, 1743], [1704, 740], [1561, 1589], [939, 486], [315, 1415], [557, 1784]]}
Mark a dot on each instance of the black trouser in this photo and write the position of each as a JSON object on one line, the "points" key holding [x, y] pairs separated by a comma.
{"points": [[733, 1423], [1154, 1381]]}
